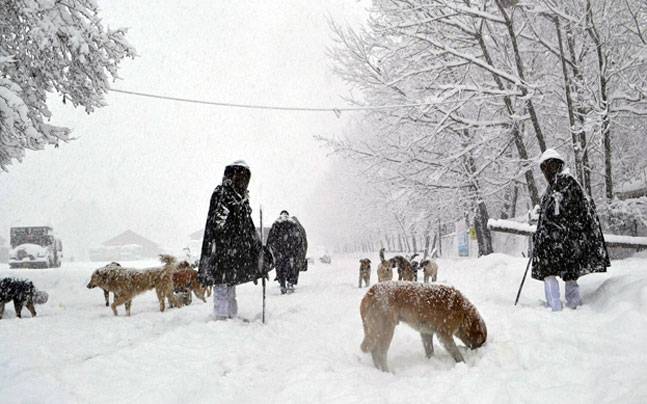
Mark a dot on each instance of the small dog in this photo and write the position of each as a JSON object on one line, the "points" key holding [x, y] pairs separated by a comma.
{"points": [[385, 269], [22, 292], [126, 283], [364, 272], [186, 279], [429, 309], [415, 265], [430, 270], [404, 268]]}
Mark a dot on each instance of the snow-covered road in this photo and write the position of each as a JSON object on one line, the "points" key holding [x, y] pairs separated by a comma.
{"points": [[77, 351]]}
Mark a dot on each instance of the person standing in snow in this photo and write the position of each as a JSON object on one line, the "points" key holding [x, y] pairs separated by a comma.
{"points": [[568, 242], [288, 243], [231, 248]]}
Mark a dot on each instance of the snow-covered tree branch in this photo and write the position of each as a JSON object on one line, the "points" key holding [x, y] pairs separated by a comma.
{"points": [[49, 47]]}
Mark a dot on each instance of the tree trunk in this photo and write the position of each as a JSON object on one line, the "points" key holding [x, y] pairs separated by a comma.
{"points": [[440, 239], [483, 235], [520, 72], [513, 205], [575, 136], [514, 129], [604, 100], [580, 111]]}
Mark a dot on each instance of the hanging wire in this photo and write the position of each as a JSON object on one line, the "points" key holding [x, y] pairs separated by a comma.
{"points": [[336, 110]]}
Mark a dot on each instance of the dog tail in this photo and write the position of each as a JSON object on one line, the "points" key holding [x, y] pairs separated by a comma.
{"points": [[167, 259], [382, 254], [413, 256]]}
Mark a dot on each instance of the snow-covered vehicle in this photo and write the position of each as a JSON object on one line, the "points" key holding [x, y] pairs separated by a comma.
{"points": [[34, 247]]}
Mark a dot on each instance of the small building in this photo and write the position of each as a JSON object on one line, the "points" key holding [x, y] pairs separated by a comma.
{"points": [[127, 246], [195, 239]]}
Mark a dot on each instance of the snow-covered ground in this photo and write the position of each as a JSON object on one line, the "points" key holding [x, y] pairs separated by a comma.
{"points": [[77, 351]]}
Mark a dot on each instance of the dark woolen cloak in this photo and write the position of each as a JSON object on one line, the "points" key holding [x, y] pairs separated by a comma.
{"points": [[288, 243], [568, 242], [231, 247]]}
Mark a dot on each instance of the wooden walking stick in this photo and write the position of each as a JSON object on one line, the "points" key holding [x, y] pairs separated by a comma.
{"points": [[523, 280], [262, 265]]}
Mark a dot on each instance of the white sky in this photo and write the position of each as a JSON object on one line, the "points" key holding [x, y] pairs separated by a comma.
{"points": [[151, 165]]}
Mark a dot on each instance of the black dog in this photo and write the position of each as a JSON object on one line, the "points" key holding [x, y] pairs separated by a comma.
{"points": [[22, 292]]}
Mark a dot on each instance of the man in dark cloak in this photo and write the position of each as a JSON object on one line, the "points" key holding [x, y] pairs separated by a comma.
{"points": [[568, 242], [288, 244], [231, 248]]}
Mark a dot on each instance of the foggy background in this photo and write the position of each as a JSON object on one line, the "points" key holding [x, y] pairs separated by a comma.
{"points": [[151, 165]]}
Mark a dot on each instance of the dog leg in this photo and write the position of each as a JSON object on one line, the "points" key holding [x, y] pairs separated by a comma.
{"points": [[359, 285], [1, 310], [428, 343], [32, 310], [18, 308], [450, 346], [119, 300], [160, 297], [127, 305], [382, 348], [106, 295]]}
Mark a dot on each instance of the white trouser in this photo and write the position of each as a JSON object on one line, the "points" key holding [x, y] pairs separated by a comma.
{"points": [[572, 292], [224, 301], [551, 289]]}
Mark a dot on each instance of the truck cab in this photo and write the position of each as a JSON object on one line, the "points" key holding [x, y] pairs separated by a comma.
{"points": [[34, 247]]}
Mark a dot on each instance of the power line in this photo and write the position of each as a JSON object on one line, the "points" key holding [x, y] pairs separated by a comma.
{"points": [[336, 110]]}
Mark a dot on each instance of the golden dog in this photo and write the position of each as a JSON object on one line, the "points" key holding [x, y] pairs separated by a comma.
{"points": [[385, 269], [430, 270], [186, 279], [428, 309], [126, 283], [364, 272]]}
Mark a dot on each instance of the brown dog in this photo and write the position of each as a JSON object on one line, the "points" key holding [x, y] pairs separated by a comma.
{"points": [[430, 270], [364, 272], [429, 309], [405, 270], [126, 283], [385, 269], [186, 279]]}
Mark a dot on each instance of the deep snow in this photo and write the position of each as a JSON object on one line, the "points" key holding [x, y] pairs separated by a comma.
{"points": [[77, 351]]}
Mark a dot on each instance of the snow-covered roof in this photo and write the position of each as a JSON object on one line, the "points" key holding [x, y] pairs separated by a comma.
{"points": [[129, 237]]}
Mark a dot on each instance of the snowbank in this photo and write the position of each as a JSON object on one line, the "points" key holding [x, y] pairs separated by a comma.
{"points": [[77, 351]]}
